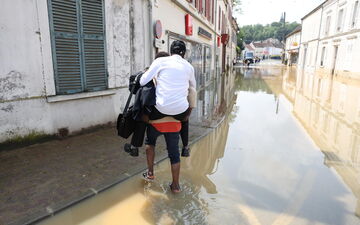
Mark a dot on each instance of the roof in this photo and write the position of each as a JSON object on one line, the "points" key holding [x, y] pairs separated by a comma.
{"points": [[296, 30], [235, 24], [259, 44], [249, 47], [313, 11], [267, 44]]}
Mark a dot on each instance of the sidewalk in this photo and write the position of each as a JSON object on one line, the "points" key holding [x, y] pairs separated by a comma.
{"points": [[39, 180]]}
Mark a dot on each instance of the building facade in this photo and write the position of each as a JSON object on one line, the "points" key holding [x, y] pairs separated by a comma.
{"points": [[339, 48], [64, 65], [330, 39], [292, 46]]}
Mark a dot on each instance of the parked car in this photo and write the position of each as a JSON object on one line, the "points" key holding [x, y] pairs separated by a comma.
{"points": [[248, 58]]}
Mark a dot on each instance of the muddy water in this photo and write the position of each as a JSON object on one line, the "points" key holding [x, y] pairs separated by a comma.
{"points": [[285, 154]]}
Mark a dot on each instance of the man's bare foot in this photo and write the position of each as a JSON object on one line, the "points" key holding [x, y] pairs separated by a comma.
{"points": [[175, 188]]}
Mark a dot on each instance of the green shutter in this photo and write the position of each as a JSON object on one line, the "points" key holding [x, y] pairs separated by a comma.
{"points": [[78, 40], [94, 45]]}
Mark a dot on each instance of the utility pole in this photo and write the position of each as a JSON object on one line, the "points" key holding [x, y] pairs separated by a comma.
{"points": [[284, 30]]}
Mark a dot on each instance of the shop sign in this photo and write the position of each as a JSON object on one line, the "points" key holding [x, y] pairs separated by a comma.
{"points": [[295, 44], [158, 29], [188, 25], [202, 32]]}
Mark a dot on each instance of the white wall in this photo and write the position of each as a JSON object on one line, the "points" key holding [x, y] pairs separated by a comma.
{"points": [[291, 40], [311, 26], [27, 94], [347, 39]]}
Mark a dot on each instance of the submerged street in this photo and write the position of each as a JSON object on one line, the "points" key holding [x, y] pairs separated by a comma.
{"points": [[270, 161]]}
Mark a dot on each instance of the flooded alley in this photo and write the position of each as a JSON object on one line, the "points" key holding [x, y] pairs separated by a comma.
{"points": [[286, 152]]}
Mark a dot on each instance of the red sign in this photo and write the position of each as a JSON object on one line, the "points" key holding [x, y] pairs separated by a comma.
{"points": [[225, 39], [158, 29], [218, 41], [188, 25]]}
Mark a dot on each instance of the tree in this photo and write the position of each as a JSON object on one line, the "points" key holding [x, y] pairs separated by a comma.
{"points": [[260, 32], [237, 6]]}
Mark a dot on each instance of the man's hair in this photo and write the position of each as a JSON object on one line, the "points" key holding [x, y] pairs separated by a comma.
{"points": [[178, 47], [161, 54]]}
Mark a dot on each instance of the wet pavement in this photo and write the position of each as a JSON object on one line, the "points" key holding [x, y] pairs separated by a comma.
{"points": [[40, 180], [287, 153]]}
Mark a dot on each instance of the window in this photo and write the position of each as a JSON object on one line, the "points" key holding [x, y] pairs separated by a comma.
{"points": [[207, 57], [355, 14], [78, 45], [212, 11], [322, 56], [219, 27], [327, 26], [340, 20]]}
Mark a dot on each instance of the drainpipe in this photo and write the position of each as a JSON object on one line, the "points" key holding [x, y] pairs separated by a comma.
{"points": [[151, 39], [132, 36], [215, 40]]}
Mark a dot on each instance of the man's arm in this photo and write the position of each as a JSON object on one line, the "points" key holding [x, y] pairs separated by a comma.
{"points": [[192, 81], [150, 73]]}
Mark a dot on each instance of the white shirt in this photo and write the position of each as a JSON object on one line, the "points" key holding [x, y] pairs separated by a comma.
{"points": [[174, 75]]}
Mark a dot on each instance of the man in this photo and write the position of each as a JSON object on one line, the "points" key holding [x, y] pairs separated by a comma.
{"points": [[174, 75]]}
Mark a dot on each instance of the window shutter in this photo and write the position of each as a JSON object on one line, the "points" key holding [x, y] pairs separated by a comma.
{"points": [[93, 45], [78, 42], [66, 43]]}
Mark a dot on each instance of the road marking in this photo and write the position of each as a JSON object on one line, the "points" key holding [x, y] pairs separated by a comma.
{"points": [[294, 206], [289, 213], [93, 190], [249, 214], [50, 210]]}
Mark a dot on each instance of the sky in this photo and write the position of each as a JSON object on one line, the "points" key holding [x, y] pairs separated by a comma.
{"points": [[268, 11]]}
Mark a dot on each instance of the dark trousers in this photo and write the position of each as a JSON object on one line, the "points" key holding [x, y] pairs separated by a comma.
{"points": [[184, 132], [171, 139], [137, 139], [138, 136], [155, 115]]}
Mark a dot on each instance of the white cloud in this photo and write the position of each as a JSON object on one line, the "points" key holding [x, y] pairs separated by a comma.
{"points": [[268, 11]]}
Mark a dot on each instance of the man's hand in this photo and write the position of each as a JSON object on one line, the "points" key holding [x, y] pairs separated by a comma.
{"points": [[186, 118]]}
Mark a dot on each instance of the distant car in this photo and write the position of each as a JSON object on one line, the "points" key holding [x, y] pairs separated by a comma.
{"points": [[249, 58]]}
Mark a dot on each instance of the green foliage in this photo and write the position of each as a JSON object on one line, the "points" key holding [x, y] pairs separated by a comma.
{"points": [[237, 6], [260, 32]]}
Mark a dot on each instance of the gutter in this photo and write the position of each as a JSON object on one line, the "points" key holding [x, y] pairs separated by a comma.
{"points": [[151, 39]]}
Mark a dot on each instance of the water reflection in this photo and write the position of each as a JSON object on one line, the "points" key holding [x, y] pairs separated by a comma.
{"points": [[329, 108], [214, 101], [192, 206], [260, 166]]}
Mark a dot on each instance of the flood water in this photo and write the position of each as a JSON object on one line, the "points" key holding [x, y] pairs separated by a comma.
{"points": [[286, 153]]}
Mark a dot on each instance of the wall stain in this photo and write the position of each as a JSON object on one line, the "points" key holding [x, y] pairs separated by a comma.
{"points": [[10, 83], [8, 108]]}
